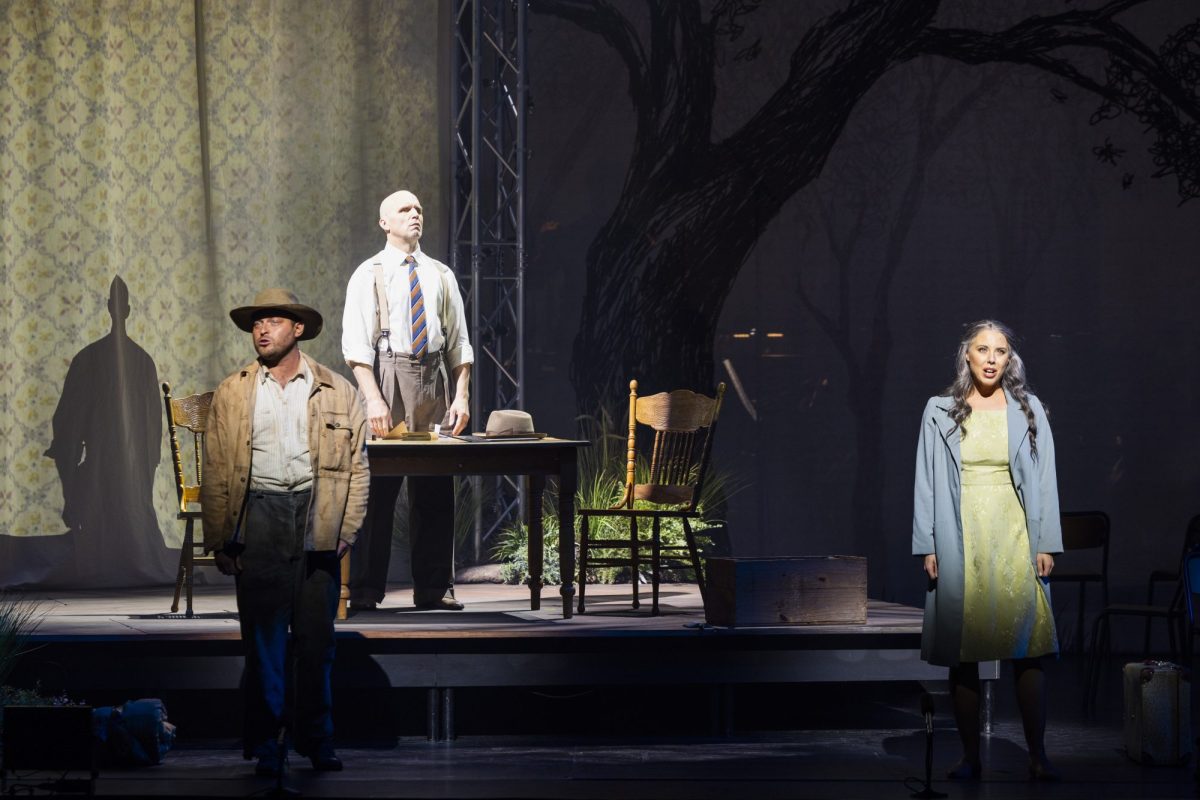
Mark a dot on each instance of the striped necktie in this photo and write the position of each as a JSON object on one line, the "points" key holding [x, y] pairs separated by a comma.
{"points": [[416, 305]]}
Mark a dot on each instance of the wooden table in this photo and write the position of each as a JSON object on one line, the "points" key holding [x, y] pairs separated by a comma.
{"points": [[533, 458]]}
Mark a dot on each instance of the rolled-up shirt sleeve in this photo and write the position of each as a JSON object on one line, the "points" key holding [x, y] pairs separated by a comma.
{"points": [[358, 319], [458, 342]]}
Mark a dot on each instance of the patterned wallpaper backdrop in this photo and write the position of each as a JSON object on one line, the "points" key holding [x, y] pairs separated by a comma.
{"points": [[309, 112]]}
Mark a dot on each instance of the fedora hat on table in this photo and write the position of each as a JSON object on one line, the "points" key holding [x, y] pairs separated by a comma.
{"points": [[510, 423]]}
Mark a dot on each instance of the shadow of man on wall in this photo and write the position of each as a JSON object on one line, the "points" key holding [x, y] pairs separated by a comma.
{"points": [[107, 442]]}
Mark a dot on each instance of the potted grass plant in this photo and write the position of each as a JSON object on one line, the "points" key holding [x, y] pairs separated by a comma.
{"points": [[601, 483]]}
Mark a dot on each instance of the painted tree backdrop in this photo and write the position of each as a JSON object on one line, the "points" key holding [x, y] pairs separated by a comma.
{"points": [[741, 118]]}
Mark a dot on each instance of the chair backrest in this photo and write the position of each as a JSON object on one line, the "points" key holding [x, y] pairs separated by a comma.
{"points": [[191, 414], [682, 424], [1084, 530]]}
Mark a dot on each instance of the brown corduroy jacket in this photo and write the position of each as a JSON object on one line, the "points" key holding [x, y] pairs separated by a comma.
{"points": [[337, 448]]}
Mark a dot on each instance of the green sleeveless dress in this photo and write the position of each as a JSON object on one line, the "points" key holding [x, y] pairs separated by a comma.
{"points": [[1006, 613]]}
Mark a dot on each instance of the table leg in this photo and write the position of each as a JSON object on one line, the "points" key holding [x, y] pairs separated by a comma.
{"points": [[536, 485], [567, 479]]}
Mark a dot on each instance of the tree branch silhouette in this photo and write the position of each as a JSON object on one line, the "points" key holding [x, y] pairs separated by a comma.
{"points": [[692, 208], [1159, 88], [599, 17]]}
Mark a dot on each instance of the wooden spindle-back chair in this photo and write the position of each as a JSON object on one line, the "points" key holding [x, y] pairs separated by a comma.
{"points": [[681, 426], [191, 414]]}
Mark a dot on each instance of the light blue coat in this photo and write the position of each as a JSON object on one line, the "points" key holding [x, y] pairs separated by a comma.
{"points": [[937, 517]]}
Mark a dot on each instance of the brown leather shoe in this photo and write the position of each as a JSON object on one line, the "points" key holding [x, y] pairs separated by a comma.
{"points": [[447, 603]]}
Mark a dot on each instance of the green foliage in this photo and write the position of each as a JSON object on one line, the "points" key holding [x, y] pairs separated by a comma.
{"points": [[601, 472], [18, 619], [513, 552], [12, 696]]}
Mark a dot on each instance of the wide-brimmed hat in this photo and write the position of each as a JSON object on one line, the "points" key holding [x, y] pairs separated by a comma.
{"points": [[282, 302], [506, 422]]}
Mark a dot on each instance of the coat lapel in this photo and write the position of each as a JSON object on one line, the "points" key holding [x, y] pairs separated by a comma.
{"points": [[951, 434], [1018, 427]]}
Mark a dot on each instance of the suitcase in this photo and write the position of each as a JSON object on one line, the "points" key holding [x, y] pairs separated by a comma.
{"points": [[1158, 706]]}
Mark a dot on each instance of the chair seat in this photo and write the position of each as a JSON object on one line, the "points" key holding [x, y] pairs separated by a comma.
{"points": [[1139, 610], [638, 512], [1075, 577]]}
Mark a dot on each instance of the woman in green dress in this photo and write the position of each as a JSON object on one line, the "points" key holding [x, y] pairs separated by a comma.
{"points": [[985, 523]]}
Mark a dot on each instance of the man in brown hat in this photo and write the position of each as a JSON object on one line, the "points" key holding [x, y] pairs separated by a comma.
{"points": [[404, 334], [284, 495]]}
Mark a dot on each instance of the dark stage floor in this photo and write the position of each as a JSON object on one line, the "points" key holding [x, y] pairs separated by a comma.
{"points": [[821, 740]]}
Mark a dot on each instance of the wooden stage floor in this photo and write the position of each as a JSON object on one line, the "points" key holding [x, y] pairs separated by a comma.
{"points": [[491, 610], [115, 645], [854, 732], [496, 641]]}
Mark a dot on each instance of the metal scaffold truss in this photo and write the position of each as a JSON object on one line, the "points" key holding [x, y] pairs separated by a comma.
{"points": [[487, 209]]}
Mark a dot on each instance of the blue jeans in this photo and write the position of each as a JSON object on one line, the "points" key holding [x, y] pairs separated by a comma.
{"points": [[283, 588]]}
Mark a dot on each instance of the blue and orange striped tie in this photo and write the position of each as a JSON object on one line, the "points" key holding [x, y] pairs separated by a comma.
{"points": [[416, 305]]}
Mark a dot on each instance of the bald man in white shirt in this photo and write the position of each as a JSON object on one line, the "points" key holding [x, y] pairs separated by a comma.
{"points": [[412, 364]]}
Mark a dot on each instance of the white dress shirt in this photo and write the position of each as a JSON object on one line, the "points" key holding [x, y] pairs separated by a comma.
{"points": [[441, 314]]}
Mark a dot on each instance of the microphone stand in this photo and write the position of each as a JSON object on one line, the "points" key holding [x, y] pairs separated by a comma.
{"points": [[928, 792]]}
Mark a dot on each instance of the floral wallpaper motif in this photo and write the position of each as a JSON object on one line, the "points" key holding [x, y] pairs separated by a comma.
{"points": [[309, 113]]}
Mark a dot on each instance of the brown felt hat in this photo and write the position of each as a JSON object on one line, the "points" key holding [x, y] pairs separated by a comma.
{"points": [[282, 302], [509, 422]]}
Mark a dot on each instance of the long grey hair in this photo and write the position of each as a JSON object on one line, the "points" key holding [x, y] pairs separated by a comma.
{"points": [[1013, 379]]}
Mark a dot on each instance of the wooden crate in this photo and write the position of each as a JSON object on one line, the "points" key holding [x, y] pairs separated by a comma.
{"points": [[806, 590]]}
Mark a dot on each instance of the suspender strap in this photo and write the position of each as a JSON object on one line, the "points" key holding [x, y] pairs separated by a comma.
{"points": [[382, 312]]}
